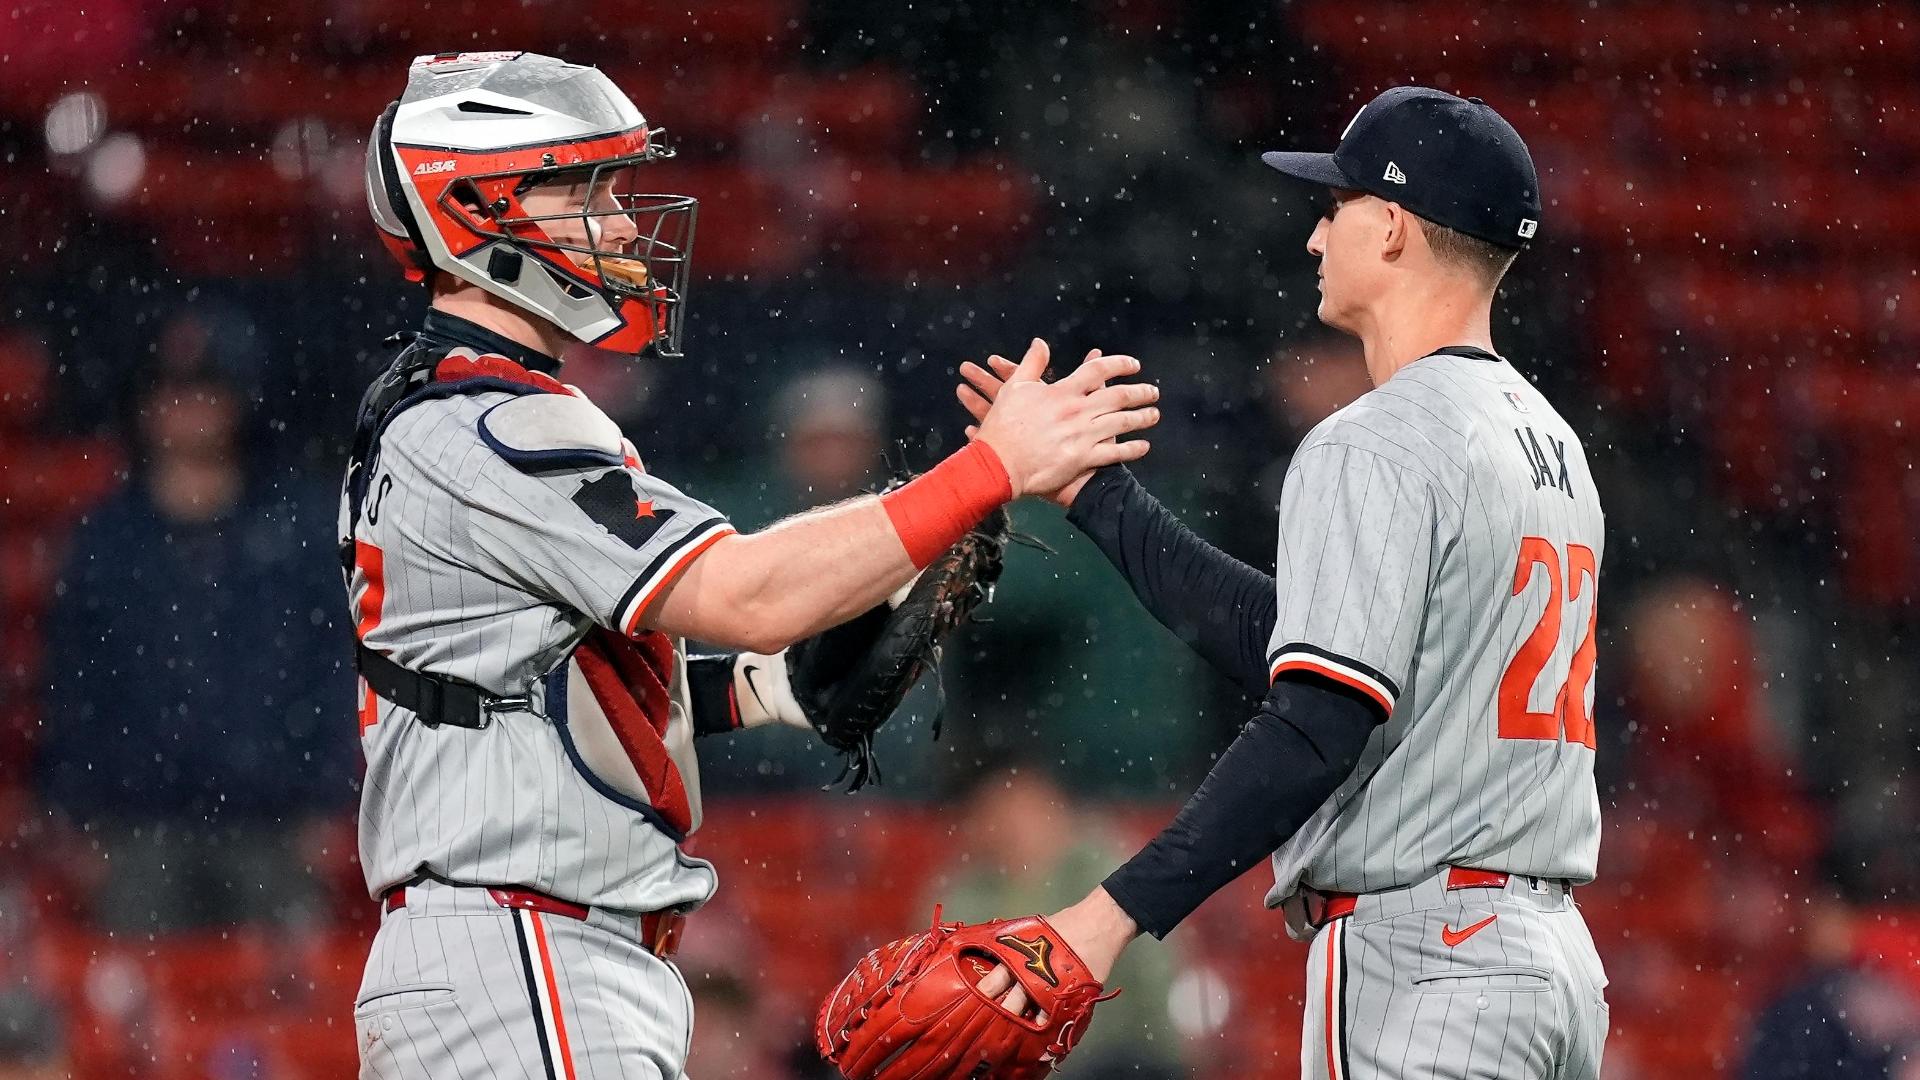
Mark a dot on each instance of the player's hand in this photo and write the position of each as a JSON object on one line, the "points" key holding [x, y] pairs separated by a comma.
{"points": [[979, 396], [1051, 436], [1096, 928]]}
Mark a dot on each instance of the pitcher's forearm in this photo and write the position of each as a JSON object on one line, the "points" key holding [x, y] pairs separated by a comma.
{"points": [[1219, 605]]}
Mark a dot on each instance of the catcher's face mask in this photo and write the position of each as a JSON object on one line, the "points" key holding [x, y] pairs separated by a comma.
{"points": [[633, 248]]}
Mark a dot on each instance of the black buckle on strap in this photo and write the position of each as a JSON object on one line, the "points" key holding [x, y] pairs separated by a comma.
{"points": [[435, 699]]}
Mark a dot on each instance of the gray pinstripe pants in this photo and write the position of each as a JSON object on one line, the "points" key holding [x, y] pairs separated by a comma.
{"points": [[1474, 984], [459, 988]]}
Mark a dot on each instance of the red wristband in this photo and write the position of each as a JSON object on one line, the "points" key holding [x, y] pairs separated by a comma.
{"points": [[936, 508]]}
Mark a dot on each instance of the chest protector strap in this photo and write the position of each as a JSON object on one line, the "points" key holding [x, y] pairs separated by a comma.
{"points": [[435, 699], [426, 369]]}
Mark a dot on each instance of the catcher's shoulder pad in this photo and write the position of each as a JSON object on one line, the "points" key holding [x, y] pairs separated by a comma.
{"points": [[541, 432]]}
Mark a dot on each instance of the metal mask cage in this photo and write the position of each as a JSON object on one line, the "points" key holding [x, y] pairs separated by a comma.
{"points": [[653, 267]]}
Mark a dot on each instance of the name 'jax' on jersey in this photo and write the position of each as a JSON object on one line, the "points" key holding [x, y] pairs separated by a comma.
{"points": [[482, 564], [1473, 498]]}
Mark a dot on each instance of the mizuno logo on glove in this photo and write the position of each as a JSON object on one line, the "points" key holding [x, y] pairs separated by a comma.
{"points": [[1039, 954]]}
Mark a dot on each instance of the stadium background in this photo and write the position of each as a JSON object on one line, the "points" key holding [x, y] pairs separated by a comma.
{"points": [[1722, 300]]}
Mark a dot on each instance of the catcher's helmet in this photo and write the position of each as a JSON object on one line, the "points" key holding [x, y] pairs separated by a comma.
{"points": [[474, 132]]}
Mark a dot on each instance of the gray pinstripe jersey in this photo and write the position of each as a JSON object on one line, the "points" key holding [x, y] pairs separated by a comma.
{"points": [[471, 567], [1440, 544]]}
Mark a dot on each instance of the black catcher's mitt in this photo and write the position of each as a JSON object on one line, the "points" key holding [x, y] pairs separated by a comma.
{"points": [[851, 678]]}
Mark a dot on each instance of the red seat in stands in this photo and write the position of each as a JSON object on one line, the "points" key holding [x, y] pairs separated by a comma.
{"points": [[944, 225]]}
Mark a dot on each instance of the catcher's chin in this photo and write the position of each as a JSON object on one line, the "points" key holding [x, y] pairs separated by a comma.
{"points": [[914, 1007]]}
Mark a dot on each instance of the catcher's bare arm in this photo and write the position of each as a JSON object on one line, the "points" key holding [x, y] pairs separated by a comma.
{"points": [[764, 591], [768, 590]]}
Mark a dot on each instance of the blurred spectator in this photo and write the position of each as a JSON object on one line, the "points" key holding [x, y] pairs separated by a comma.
{"points": [[33, 1034], [833, 435], [1303, 384], [620, 385], [827, 431], [825, 440], [193, 722], [1705, 752], [1310, 381], [1857, 1013], [730, 1036], [1025, 847], [47, 480]]}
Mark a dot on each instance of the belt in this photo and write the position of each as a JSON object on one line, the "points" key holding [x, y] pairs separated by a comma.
{"points": [[659, 930], [1324, 907]]}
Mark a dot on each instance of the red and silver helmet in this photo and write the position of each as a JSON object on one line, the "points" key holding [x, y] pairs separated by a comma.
{"points": [[449, 163]]}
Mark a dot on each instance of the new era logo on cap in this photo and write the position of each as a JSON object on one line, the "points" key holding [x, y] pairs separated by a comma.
{"points": [[1394, 175]]}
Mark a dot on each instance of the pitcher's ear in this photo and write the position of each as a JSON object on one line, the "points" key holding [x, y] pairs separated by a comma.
{"points": [[1400, 225]]}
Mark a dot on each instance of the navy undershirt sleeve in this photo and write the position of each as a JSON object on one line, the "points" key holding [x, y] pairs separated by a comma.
{"points": [[1290, 758], [710, 694], [1218, 605]]}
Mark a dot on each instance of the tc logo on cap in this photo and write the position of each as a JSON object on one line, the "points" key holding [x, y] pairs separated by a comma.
{"points": [[1394, 175]]}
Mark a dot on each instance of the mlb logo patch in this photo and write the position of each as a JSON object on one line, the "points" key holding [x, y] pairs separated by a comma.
{"points": [[1513, 399], [1527, 226]]}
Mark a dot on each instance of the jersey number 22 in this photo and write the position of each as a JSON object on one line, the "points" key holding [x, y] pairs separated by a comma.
{"points": [[1570, 714]]}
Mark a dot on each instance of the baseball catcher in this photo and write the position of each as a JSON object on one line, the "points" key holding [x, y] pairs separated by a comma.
{"points": [[522, 584]]}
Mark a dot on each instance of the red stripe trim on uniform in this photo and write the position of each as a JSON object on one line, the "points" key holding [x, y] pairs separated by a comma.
{"points": [[1337, 676], [1333, 993], [670, 575], [553, 993], [372, 564], [536, 995]]}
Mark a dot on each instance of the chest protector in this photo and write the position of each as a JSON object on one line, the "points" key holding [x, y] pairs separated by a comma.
{"points": [[618, 703]]}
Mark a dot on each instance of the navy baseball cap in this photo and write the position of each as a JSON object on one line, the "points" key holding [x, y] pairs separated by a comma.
{"points": [[1451, 160]]}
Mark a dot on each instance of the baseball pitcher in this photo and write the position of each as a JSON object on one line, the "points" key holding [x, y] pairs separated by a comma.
{"points": [[521, 584], [1420, 768]]}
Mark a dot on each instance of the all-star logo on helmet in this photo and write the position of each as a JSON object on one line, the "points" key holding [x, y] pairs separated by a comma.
{"points": [[449, 162]]}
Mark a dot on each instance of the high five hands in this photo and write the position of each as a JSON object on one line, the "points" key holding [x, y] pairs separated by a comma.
{"points": [[1051, 436]]}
